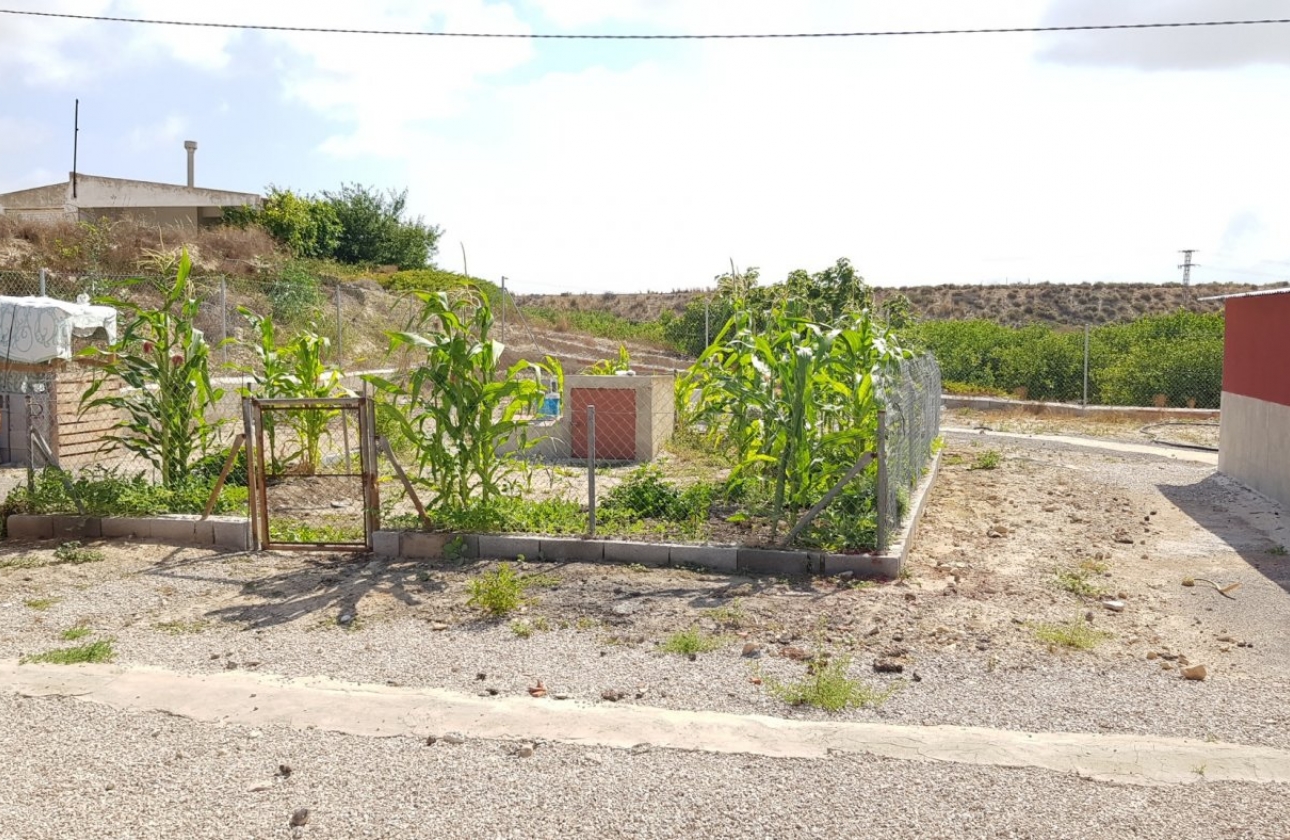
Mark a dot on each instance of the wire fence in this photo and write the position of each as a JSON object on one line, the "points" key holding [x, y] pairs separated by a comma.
{"points": [[908, 426]]}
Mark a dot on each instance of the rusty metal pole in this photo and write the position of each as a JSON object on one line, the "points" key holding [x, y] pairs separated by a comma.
{"points": [[591, 470]]}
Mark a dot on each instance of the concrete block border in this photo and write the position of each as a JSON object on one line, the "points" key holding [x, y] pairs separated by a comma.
{"points": [[414, 545], [231, 532]]}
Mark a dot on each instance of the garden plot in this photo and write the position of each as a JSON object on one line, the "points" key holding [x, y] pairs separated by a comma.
{"points": [[1047, 591]]}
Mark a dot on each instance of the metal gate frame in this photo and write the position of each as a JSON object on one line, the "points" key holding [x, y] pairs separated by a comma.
{"points": [[258, 503]]}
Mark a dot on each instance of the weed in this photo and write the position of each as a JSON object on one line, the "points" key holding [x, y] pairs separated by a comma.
{"points": [[1093, 566], [987, 460], [296, 531], [100, 651], [180, 627], [40, 603], [74, 552], [1076, 634], [827, 686], [728, 615], [454, 549], [690, 641], [522, 629], [501, 592], [1076, 582], [71, 634]]}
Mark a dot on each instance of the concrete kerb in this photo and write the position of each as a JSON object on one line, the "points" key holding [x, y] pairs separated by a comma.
{"points": [[412, 545], [1145, 413], [218, 531]]}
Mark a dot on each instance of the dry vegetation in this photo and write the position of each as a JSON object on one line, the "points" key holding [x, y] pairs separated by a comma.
{"points": [[1054, 304], [128, 247]]}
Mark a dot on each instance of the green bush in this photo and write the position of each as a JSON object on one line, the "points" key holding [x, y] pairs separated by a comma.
{"points": [[646, 494], [1174, 360], [105, 492]]}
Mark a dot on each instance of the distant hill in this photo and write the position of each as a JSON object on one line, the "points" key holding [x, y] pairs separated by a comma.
{"points": [[1056, 304]]}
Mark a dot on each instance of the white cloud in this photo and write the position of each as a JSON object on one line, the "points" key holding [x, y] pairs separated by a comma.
{"points": [[933, 159], [162, 134]]}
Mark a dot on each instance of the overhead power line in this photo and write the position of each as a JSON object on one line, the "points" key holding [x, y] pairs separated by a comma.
{"points": [[732, 36]]}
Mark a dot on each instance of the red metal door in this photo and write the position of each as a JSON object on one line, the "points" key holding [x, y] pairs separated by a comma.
{"points": [[615, 422]]}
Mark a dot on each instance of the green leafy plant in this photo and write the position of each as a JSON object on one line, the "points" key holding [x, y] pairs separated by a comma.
{"points": [[157, 377], [502, 591], [690, 641], [100, 651], [827, 686], [646, 494], [295, 369], [73, 552], [106, 492], [610, 367], [793, 398], [456, 409]]}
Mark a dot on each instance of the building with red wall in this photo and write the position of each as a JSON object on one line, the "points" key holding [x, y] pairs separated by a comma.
{"points": [[1254, 438]]}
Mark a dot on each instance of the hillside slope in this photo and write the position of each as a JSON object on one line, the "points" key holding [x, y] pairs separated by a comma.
{"points": [[1055, 304]]}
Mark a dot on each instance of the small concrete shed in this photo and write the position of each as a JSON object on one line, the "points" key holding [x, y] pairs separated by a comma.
{"points": [[1254, 434]]}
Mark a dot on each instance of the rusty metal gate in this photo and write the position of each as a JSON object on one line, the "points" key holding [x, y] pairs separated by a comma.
{"points": [[312, 465]]}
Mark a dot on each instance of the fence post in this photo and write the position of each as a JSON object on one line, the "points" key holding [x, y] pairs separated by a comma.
{"points": [[883, 478], [44, 272], [340, 330], [223, 311], [591, 470], [1085, 402]]}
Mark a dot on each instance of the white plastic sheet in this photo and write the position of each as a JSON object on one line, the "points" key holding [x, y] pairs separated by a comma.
{"points": [[41, 329]]}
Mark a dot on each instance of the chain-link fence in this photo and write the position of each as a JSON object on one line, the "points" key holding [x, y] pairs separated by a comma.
{"points": [[908, 426]]}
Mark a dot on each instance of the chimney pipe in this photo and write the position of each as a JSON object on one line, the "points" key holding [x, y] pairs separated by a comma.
{"points": [[191, 146]]}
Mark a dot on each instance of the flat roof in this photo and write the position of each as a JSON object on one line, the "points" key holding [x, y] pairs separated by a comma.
{"points": [[1281, 291]]}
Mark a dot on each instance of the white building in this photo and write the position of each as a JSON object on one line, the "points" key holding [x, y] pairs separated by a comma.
{"points": [[91, 198]]}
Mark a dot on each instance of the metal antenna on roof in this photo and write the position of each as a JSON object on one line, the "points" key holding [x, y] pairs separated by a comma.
{"points": [[76, 137]]}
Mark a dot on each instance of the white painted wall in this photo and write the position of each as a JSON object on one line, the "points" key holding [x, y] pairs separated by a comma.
{"points": [[1255, 448]]}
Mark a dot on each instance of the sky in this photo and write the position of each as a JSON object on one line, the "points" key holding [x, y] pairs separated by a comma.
{"points": [[653, 166]]}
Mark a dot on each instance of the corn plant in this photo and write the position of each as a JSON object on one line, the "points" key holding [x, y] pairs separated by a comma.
{"points": [[457, 409], [163, 362], [294, 370], [794, 399]]}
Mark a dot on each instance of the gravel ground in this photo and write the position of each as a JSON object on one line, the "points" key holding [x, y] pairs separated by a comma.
{"points": [[150, 775], [961, 628]]}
